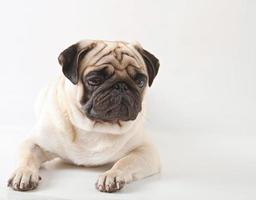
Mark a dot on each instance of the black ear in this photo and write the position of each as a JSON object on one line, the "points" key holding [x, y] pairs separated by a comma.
{"points": [[69, 60], [152, 64]]}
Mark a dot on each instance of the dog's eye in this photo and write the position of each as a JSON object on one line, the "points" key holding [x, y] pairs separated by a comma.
{"points": [[95, 81], [140, 82]]}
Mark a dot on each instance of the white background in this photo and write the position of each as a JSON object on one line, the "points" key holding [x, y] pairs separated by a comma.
{"points": [[202, 103]]}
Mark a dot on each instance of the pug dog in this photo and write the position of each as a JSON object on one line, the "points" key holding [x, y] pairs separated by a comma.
{"points": [[93, 115]]}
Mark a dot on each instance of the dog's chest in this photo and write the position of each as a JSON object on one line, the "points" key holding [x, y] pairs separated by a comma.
{"points": [[94, 148]]}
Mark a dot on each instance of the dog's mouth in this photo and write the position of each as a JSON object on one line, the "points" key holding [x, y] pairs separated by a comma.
{"points": [[113, 109]]}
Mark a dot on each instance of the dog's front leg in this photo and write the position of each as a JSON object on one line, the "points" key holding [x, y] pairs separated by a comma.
{"points": [[139, 163], [26, 176]]}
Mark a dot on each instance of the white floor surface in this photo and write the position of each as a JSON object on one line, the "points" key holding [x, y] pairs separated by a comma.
{"points": [[193, 167]]}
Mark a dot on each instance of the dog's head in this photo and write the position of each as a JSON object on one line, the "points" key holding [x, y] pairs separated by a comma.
{"points": [[112, 77]]}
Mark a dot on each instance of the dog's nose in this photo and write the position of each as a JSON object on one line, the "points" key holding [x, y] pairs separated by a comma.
{"points": [[121, 86]]}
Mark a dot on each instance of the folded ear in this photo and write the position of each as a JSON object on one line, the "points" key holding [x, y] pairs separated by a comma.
{"points": [[70, 58], [151, 62]]}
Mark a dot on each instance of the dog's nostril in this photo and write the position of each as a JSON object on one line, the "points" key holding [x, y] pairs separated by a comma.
{"points": [[116, 86], [125, 87], [121, 86]]}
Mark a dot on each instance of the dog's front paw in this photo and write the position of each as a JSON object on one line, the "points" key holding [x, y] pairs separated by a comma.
{"points": [[111, 181], [24, 179]]}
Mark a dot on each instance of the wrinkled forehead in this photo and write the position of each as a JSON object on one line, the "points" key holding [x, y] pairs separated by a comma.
{"points": [[119, 56]]}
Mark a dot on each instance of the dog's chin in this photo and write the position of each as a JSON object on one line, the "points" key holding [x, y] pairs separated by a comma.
{"points": [[115, 116]]}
